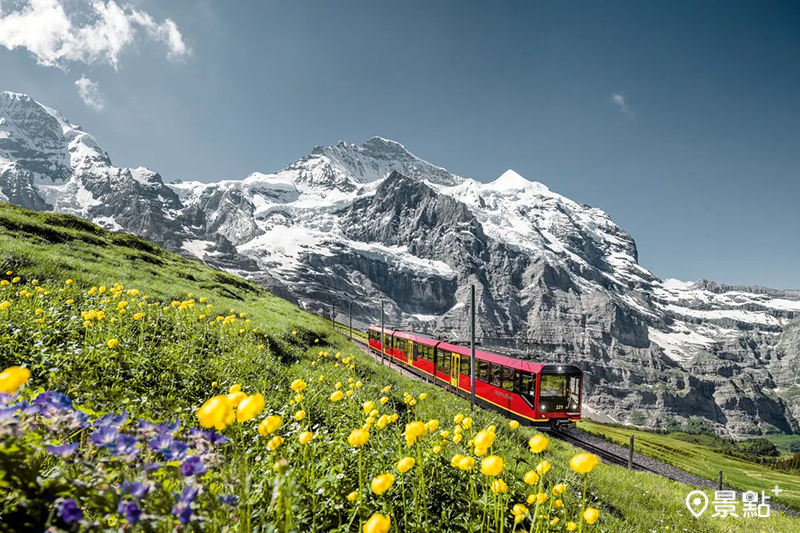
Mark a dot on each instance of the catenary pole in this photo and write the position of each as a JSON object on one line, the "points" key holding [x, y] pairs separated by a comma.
{"points": [[350, 312], [472, 350]]}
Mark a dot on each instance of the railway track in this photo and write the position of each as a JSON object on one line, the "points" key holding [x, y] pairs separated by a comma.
{"points": [[609, 453]]}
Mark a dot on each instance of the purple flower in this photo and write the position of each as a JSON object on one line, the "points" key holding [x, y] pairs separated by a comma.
{"points": [[105, 436], [193, 466], [161, 443], [135, 489], [111, 420], [53, 400], [189, 494], [5, 398], [228, 499], [183, 512], [8, 413], [169, 427], [81, 418], [176, 451], [69, 511], [212, 437], [125, 446], [64, 450], [28, 408], [130, 511]]}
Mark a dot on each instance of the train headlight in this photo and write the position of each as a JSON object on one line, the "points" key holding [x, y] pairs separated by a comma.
{"points": [[543, 408]]}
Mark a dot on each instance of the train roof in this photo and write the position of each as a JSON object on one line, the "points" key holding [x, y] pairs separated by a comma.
{"points": [[517, 364]]}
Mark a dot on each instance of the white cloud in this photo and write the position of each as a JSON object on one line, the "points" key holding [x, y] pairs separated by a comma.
{"points": [[618, 99], [101, 33], [89, 91]]}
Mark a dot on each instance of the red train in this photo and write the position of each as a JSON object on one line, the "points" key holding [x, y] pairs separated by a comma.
{"points": [[533, 394]]}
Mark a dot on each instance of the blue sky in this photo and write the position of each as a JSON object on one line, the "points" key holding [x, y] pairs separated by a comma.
{"points": [[701, 164]]}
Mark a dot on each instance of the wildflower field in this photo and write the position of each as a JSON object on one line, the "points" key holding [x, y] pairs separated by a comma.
{"points": [[141, 391]]}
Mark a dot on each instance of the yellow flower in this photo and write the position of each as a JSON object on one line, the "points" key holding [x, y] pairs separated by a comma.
{"points": [[455, 460], [338, 385], [69, 302], [538, 443], [298, 385], [377, 523], [466, 463], [358, 437], [531, 499], [519, 509], [368, 406], [559, 489], [480, 452], [250, 407], [513, 424], [466, 423], [423, 395], [583, 463], [492, 465], [316, 341], [5, 305], [299, 415], [359, 384], [69, 282], [137, 316], [3, 283], [542, 467], [386, 389], [405, 464], [274, 443], [294, 332], [498, 485], [414, 430], [215, 412], [458, 418], [383, 400], [436, 449], [558, 504], [352, 496], [236, 398], [113, 343], [382, 483], [305, 437], [554, 521], [9, 272], [269, 425], [213, 383], [235, 388], [15, 280], [591, 515], [337, 395], [484, 439], [349, 393], [572, 526], [531, 477], [458, 438], [541, 497], [13, 378]]}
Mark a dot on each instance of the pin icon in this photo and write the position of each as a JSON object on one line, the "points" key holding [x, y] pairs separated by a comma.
{"points": [[697, 502]]}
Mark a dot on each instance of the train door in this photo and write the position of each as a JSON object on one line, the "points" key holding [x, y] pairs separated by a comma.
{"points": [[412, 351], [454, 369]]}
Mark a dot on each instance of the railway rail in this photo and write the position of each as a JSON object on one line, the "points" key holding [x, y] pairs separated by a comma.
{"points": [[610, 453]]}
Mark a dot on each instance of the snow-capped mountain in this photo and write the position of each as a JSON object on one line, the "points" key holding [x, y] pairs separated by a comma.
{"points": [[556, 279]]}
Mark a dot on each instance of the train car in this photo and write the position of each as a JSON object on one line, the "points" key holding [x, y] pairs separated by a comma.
{"points": [[532, 393]]}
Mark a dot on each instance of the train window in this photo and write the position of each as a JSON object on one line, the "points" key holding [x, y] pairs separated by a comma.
{"points": [[439, 360], [414, 351], [527, 383], [483, 371], [443, 362], [494, 377], [464, 366], [507, 378]]}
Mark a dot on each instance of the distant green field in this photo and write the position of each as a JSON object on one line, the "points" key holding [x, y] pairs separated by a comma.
{"points": [[785, 443], [691, 453]]}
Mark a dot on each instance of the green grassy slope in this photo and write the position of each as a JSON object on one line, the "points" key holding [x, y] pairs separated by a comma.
{"points": [[692, 453], [170, 360]]}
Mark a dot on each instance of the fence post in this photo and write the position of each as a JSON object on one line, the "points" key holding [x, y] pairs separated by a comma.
{"points": [[719, 483], [630, 454]]}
